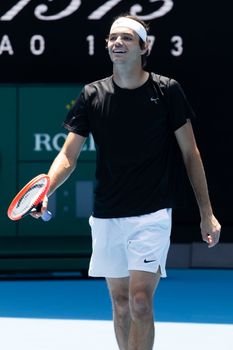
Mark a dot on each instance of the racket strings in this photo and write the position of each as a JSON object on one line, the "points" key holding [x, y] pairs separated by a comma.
{"points": [[31, 198], [28, 194]]}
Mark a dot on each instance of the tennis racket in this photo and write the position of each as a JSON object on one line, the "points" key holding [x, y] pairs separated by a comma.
{"points": [[30, 199]]}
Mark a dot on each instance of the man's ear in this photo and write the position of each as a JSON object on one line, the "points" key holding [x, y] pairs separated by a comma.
{"points": [[145, 48]]}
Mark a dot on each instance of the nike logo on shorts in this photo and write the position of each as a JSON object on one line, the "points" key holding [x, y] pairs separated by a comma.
{"points": [[149, 261]]}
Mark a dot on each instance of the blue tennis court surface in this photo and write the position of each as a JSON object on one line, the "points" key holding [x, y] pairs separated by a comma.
{"points": [[193, 309]]}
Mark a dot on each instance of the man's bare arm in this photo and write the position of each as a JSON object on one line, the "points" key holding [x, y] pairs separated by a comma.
{"points": [[65, 162], [63, 165], [210, 227]]}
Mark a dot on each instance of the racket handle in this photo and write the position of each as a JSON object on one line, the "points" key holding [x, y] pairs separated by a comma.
{"points": [[46, 216]]}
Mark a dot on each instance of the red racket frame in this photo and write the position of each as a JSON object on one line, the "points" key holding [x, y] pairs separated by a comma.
{"points": [[22, 193]]}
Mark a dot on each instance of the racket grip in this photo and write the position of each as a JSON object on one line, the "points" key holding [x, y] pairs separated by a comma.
{"points": [[46, 216]]}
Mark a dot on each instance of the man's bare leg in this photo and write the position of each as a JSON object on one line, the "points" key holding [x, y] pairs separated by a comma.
{"points": [[119, 291], [141, 290], [132, 302]]}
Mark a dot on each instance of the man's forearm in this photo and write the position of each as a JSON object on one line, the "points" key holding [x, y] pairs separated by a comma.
{"points": [[59, 171], [65, 162], [197, 177]]}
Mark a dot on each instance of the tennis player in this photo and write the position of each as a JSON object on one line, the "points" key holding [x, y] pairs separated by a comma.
{"points": [[141, 123]]}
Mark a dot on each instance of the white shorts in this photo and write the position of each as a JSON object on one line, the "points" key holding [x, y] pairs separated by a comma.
{"points": [[133, 243]]}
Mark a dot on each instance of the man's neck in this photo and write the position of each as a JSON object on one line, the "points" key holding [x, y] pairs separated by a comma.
{"points": [[129, 79]]}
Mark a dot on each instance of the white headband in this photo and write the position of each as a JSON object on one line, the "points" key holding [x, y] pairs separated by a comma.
{"points": [[131, 24]]}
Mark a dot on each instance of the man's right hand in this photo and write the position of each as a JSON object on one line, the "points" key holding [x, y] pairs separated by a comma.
{"points": [[38, 214]]}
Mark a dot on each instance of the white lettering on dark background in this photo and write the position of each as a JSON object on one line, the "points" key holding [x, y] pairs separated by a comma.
{"points": [[46, 142], [40, 10], [37, 43]]}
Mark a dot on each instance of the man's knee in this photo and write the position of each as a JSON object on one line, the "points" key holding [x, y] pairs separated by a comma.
{"points": [[141, 306], [120, 303]]}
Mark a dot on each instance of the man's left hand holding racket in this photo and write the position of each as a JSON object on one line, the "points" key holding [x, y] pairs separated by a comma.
{"points": [[32, 199]]}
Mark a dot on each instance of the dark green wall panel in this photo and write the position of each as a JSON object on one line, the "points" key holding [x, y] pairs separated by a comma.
{"points": [[32, 134], [8, 156]]}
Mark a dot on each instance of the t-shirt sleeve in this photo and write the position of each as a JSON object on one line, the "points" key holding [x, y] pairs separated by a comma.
{"points": [[179, 107], [77, 118]]}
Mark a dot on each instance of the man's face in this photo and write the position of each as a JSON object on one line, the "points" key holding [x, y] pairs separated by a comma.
{"points": [[123, 45]]}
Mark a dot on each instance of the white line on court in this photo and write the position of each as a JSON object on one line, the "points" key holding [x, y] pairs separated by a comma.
{"points": [[47, 334]]}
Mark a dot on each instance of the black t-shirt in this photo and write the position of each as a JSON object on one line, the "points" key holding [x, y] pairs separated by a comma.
{"points": [[138, 165]]}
